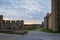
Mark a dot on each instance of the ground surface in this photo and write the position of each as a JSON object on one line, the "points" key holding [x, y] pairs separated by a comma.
{"points": [[32, 35]]}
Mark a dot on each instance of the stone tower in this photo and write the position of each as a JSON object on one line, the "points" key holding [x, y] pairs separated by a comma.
{"points": [[46, 20], [55, 10], [1, 19]]}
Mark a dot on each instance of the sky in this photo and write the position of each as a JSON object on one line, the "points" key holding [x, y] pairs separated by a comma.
{"points": [[31, 11]]}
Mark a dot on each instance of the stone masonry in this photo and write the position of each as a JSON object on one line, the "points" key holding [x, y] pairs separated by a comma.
{"points": [[10, 24], [52, 21]]}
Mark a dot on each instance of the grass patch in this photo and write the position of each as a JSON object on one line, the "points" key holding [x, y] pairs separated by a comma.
{"points": [[31, 29], [22, 32], [7, 32], [49, 31]]}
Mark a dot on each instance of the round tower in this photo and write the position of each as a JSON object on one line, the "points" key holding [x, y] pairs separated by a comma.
{"points": [[55, 9]]}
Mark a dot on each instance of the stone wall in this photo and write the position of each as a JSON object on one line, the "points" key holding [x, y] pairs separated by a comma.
{"points": [[53, 20], [46, 20], [50, 23], [11, 24], [20, 23]]}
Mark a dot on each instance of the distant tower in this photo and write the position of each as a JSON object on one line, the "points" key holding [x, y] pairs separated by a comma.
{"points": [[55, 9], [1, 18]]}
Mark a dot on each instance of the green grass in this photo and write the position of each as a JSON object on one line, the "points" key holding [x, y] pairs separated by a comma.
{"points": [[22, 32], [31, 29], [7, 32], [48, 31]]}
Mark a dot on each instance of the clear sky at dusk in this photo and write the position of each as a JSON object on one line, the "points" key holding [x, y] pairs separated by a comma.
{"points": [[31, 11]]}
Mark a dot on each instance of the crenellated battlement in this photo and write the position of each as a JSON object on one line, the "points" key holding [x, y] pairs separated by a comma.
{"points": [[11, 24]]}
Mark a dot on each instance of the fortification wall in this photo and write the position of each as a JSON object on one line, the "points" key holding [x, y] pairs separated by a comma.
{"points": [[51, 22], [54, 18], [11, 24], [46, 20]]}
